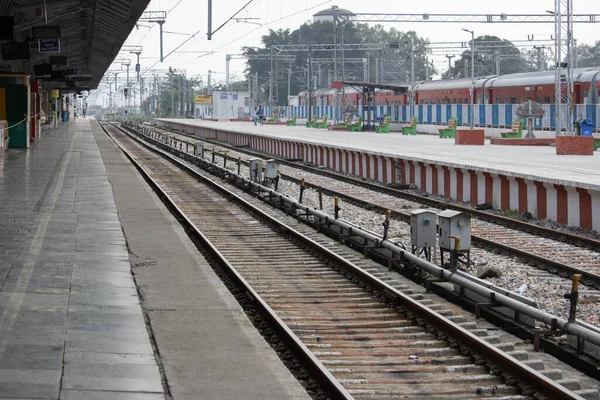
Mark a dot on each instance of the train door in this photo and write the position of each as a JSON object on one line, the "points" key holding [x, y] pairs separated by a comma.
{"points": [[490, 96], [577, 94]]}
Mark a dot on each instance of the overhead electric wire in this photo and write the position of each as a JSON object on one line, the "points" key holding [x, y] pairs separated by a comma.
{"points": [[267, 24], [236, 39], [232, 17]]}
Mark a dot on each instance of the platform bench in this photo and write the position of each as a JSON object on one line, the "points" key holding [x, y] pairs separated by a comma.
{"points": [[410, 129], [321, 123], [312, 122], [516, 131], [355, 125], [346, 122], [385, 125], [450, 130], [292, 122]]}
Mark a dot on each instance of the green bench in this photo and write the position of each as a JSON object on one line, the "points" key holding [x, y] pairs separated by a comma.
{"points": [[321, 123], [412, 128], [516, 131], [450, 130], [292, 122], [385, 125], [355, 125], [312, 122], [346, 122]]}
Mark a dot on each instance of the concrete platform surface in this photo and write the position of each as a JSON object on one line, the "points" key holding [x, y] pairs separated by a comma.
{"points": [[71, 324], [208, 347], [534, 163]]}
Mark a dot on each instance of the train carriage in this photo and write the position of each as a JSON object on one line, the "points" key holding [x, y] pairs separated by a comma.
{"points": [[492, 89]]}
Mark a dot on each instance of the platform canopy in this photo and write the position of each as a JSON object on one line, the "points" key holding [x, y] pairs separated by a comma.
{"points": [[91, 34], [366, 87], [367, 92]]}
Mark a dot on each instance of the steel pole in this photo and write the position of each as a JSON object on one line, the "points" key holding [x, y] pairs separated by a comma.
{"points": [[335, 65], [309, 81], [209, 23], [472, 79], [160, 24], [343, 74], [412, 77], [289, 84], [128, 95]]}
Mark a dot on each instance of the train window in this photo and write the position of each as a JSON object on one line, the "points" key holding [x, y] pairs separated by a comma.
{"points": [[585, 93], [538, 99], [497, 100], [529, 98], [547, 100], [513, 100], [454, 101], [506, 100], [521, 100], [459, 101]]}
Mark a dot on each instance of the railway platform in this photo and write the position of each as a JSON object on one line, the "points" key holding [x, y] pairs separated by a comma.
{"points": [[101, 290], [527, 179]]}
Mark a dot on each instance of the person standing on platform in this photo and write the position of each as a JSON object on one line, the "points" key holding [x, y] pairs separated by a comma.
{"points": [[260, 114]]}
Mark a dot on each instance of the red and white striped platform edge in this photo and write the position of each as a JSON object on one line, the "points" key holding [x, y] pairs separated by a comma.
{"points": [[561, 188]]}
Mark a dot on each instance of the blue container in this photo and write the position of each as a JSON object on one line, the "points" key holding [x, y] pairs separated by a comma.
{"points": [[586, 127]]}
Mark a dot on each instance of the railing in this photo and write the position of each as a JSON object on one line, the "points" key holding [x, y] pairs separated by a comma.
{"points": [[488, 115]]}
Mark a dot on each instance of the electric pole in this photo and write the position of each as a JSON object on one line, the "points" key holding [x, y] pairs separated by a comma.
{"points": [[449, 57], [540, 51]]}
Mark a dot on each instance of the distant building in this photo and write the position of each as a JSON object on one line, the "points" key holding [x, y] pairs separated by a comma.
{"points": [[328, 14]]}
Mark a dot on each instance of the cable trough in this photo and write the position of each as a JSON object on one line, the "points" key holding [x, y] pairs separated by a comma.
{"points": [[551, 250], [341, 319]]}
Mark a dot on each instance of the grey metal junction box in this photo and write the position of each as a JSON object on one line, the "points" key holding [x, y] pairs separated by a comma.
{"points": [[255, 165], [271, 169], [454, 223], [422, 228]]}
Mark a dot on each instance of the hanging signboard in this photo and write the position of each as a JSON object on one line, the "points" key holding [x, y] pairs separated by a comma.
{"points": [[49, 45]]}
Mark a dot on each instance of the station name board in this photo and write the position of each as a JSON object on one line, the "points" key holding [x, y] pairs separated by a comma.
{"points": [[203, 98]]}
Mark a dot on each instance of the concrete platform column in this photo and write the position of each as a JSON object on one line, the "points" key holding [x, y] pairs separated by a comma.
{"points": [[585, 209]]}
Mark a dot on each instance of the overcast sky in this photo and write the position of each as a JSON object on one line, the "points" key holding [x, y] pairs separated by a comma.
{"points": [[190, 16]]}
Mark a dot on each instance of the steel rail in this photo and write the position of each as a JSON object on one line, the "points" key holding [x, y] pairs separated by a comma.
{"points": [[499, 298], [588, 278], [327, 381], [509, 365]]}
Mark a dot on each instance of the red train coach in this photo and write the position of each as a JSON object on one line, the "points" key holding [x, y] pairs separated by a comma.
{"points": [[503, 89]]}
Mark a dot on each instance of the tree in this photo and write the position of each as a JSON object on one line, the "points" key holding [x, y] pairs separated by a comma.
{"points": [[394, 60], [491, 52], [175, 95], [588, 56]]}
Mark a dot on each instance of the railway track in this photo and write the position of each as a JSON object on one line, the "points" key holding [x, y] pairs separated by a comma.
{"points": [[375, 341], [555, 251]]}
